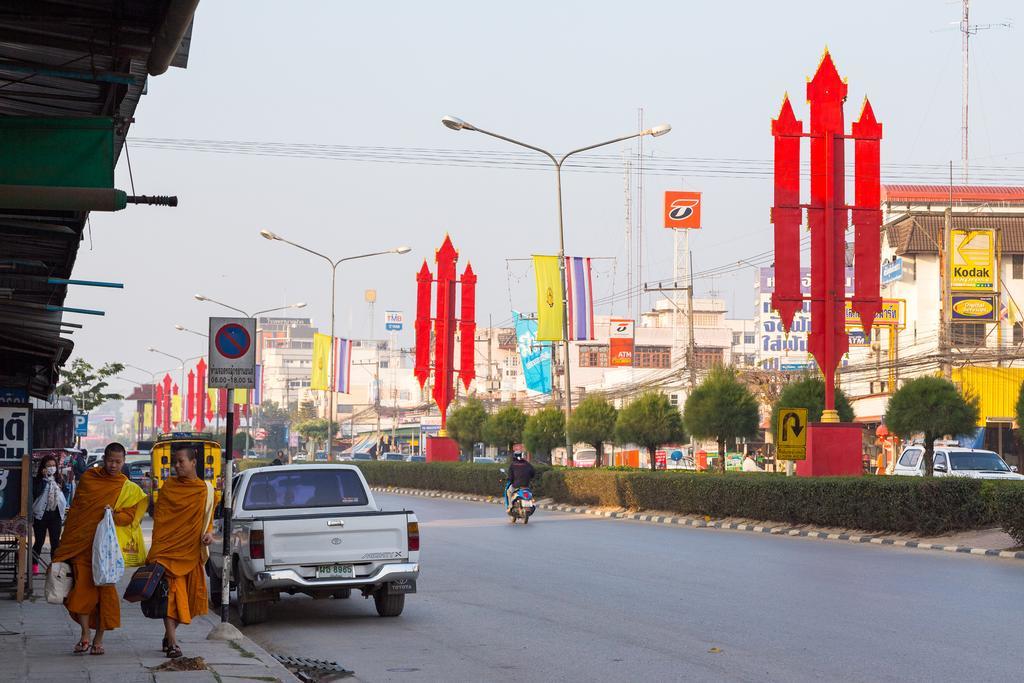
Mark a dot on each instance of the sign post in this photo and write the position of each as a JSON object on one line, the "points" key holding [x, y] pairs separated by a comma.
{"points": [[792, 434], [232, 365]]}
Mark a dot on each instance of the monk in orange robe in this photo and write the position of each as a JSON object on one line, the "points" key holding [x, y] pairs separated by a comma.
{"points": [[92, 606], [182, 528]]}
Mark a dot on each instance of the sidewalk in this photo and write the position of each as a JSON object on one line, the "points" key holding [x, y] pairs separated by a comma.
{"points": [[44, 635]]}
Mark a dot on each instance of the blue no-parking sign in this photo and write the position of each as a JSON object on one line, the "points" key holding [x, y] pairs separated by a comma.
{"points": [[232, 353]]}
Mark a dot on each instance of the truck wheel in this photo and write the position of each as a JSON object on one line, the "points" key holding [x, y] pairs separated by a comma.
{"points": [[251, 612], [388, 605]]}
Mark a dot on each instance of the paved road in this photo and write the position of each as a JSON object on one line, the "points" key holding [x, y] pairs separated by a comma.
{"points": [[577, 598]]}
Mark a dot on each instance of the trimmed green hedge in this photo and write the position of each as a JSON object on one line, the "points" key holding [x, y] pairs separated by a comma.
{"points": [[458, 477], [895, 504]]}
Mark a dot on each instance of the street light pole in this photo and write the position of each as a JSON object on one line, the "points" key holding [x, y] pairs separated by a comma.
{"points": [[454, 123], [266, 234]]}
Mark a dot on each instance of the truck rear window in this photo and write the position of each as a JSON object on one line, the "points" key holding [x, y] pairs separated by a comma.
{"points": [[305, 488]]}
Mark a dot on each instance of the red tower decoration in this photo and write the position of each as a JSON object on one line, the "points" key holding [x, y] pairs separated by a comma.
{"points": [[828, 215], [444, 326]]}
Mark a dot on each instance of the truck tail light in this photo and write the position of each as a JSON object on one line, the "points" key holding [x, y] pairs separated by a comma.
{"points": [[256, 544], [413, 532]]}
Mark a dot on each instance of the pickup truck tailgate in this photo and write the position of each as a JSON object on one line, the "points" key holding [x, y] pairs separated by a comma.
{"points": [[341, 538]]}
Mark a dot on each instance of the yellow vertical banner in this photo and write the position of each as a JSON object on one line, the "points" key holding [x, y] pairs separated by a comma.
{"points": [[549, 298], [211, 399], [176, 408], [321, 370], [241, 396], [147, 416]]}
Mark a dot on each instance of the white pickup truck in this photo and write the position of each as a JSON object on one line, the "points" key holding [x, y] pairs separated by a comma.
{"points": [[313, 529]]}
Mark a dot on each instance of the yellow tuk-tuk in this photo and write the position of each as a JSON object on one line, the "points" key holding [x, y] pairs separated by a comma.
{"points": [[208, 466]]}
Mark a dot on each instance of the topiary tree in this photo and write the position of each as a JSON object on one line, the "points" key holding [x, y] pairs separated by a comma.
{"points": [[505, 427], [721, 408], [465, 424], [593, 422], [809, 393], [544, 430], [651, 422], [315, 430], [931, 406]]}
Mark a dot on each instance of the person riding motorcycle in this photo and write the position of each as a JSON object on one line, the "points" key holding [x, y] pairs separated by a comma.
{"points": [[520, 476]]}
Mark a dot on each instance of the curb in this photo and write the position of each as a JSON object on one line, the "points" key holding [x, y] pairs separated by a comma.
{"points": [[700, 523]]}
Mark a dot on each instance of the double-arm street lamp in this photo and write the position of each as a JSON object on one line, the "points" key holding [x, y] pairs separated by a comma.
{"points": [[200, 297], [458, 124], [334, 263]]}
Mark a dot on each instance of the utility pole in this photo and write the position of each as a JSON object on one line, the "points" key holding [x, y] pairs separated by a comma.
{"points": [[945, 329], [691, 345]]}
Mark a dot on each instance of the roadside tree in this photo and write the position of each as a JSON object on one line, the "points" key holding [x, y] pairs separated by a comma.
{"points": [[466, 424], [315, 430], [505, 427], [86, 384], [593, 422], [721, 408], [650, 422], [544, 430], [931, 406], [809, 393]]}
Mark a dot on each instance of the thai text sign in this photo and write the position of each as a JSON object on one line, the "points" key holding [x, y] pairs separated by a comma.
{"points": [[15, 432], [891, 315], [620, 343], [972, 260], [792, 434]]}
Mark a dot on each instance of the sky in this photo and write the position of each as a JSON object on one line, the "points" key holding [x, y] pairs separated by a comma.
{"points": [[559, 75]]}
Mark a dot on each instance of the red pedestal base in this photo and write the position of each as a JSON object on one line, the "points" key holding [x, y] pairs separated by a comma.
{"points": [[442, 449], [833, 449]]}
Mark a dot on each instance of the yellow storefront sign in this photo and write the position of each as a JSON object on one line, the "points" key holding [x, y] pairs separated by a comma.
{"points": [[893, 314], [972, 257], [792, 434]]}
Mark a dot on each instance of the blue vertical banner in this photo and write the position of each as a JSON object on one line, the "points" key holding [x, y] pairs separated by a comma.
{"points": [[535, 356]]}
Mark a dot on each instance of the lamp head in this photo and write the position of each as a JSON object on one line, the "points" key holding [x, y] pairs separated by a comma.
{"points": [[199, 297], [150, 349], [266, 234], [179, 328], [301, 304], [401, 250], [659, 130], [455, 123]]}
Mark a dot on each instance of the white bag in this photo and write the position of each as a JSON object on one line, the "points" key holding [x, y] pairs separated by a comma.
{"points": [[58, 583], [107, 560]]}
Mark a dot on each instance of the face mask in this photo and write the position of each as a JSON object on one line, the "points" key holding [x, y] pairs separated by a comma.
{"points": [[50, 471]]}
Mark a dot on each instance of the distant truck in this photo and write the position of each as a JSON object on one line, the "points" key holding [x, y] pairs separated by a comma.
{"points": [[316, 530]]}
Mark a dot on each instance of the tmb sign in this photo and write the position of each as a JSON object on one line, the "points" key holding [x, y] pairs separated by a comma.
{"points": [[393, 321], [232, 353]]}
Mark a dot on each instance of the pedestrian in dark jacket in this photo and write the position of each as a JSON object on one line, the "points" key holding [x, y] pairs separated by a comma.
{"points": [[48, 508]]}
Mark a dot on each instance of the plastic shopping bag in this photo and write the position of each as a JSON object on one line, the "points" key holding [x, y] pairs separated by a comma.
{"points": [[133, 545], [58, 583], [107, 560]]}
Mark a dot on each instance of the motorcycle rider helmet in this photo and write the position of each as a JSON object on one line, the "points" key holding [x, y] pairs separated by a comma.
{"points": [[517, 455]]}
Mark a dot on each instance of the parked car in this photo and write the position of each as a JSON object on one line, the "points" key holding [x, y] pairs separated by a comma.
{"points": [[362, 456], [393, 457], [484, 460], [951, 461], [138, 472], [317, 530], [416, 458]]}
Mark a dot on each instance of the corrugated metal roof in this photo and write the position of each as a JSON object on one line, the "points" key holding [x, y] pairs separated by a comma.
{"points": [[920, 232], [87, 58], [1005, 195]]}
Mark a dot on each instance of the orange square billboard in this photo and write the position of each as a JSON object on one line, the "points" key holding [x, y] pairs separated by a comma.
{"points": [[682, 209]]}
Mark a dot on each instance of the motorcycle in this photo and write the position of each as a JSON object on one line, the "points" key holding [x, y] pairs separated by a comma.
{"points": [[521, 503]]}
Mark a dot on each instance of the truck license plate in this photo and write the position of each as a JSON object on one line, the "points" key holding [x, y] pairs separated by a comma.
{"points": [[335, 571]]}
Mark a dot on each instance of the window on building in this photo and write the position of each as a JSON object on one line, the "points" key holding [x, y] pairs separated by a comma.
{"points": [[705, 357], [594, 356], [673, 399], [1018, 333], [749, 338], [968, 334], [736, 336], [1018, 266], [652, 357]]}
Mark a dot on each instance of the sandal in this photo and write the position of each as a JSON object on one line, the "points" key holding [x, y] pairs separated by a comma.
{"points": [[97, 650], [173, 651], [81, 647]]}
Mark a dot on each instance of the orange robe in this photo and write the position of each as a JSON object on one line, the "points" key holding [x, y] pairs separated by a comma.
{"points": [[96, 490], [178, 527]]}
